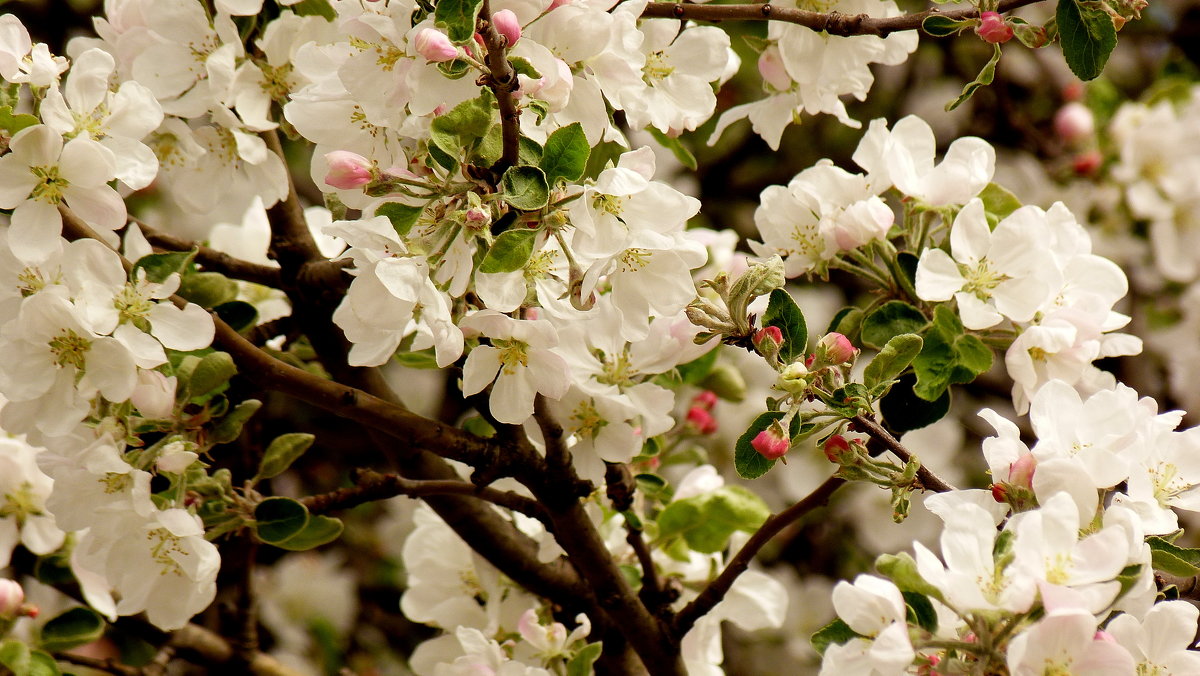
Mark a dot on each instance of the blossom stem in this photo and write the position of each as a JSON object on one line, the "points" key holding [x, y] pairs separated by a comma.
{"points": [[502, 80], [716, 590], [833, 23], [929, 480]]}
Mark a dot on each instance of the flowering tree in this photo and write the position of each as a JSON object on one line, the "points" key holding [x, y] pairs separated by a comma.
{"points": [[497, 296]]}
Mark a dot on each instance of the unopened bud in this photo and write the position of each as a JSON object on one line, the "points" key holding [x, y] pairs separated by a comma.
{"points": [[1074, 122], [992, 28], [794, 378], [701, 420], [770, 66], [347, 170], [1087, 164], [506, 22], [772, 443], [154, 394], [834, 348], [435, 46], [726, 382], [476, 217], [1020, 472], [12, 597], [706, 400], [836, 448], [767, 341]]}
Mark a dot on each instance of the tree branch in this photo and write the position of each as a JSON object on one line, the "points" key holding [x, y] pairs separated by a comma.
{"points": [[212, 259], [834, 23], [716, 590], [370, 486], [502, 80], [929, 481]]}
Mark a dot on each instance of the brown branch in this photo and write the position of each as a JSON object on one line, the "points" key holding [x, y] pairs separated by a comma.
{"points": [[502, 80], [928, 480], [291, 242], [212, 259], [557, 454], [109, 665], [211, 649], [834, 23], [371, 486], [716, 590]]}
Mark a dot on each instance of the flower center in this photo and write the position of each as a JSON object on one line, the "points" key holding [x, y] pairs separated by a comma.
{"points": [[51, 187], [69, 347], [656, 68], [512, 354]]}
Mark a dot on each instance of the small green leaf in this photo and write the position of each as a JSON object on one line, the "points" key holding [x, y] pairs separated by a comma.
{"points": [[834, 633], [458, 18], [529, 151], [985, 77], [319, 530], [466, 123], [680, 151], [11, 124], [282, 452], [1087, 35], [949, 356], [782, 312], [159, 266], [940, 26], [696, 370], [509, 252], [904, 411], [525, 188], [214, 370], [920, 611], [208, 289], [848, 322], [901, 569], [1173, 559], [42, 664], [230, 427], [749, 463], [581, 663], [277, 519], [892, 359], [320, 8], [998, 201], [402, 216], [454, 68], [565, 154], [523, 67], [14, 654], [490, 148], [707, 521], [419, 359], [889, 320], [238, 314], [76, 627]]}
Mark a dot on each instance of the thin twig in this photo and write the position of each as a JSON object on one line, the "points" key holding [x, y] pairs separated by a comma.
{"points": [[109, 665], [502, 80], [716, 590], [929, 480], [370, 486], [212, 259], [833, 23]]}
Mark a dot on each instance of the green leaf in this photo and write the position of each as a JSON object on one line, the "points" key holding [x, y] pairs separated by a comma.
{"points": [[892, 359], [749, 463], [466, 123], [11, 124], [1087, 35], [282, 452], [726, 382], [998, 201], [889, 320], [848, 322], [510, 251], [940, 26], [208, 289], [214, 370], [454, 68], [904, 411], [14, 654], [565, 154], [985, 77], [529, 151], [490, 148], [696, 370], [1173, 559], [581, 663], [919, 611], [901, 569], [782, 312], [680, 151], [42, 664], [278, 519], [319, 530], [458, 18], [320, 8], [706, 521], [949, 356], [836, 632], [230, 427], [162, 265], [522, 66], [525, 188], [238, 314], [402, 216], [76, 627], [419, 359]]}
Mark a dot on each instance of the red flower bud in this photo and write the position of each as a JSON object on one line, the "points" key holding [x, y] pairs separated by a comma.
{"points": [[993, 29], [702, 420], [836, 447], [706, 400], [772, 443]]}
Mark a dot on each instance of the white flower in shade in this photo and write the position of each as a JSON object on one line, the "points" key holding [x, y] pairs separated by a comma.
{"points": [[41, 173], [24, 488], [1159, 642], [904, 158], [93, 484], [24, 62], [118, 120], [873, 607], [521, 361], [992, 274]]}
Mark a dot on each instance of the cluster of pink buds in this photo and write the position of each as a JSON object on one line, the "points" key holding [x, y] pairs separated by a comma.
{"points": [[699, 415]]}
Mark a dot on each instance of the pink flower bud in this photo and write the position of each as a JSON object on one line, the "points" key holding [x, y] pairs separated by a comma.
{"points": [[705, 400], [506, 22], [999, 492], [836, 348], [1074, 122], [772, 443], [771, 333], [11, 599], [435, 46], [770, 66], [347, 170], [993, 29], [1020, 472], [836, 447], [1086, 164], [476, 216], [702, 420]]}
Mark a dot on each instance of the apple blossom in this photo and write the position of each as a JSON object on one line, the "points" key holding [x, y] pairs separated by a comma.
{"points": [[992, 28]]}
